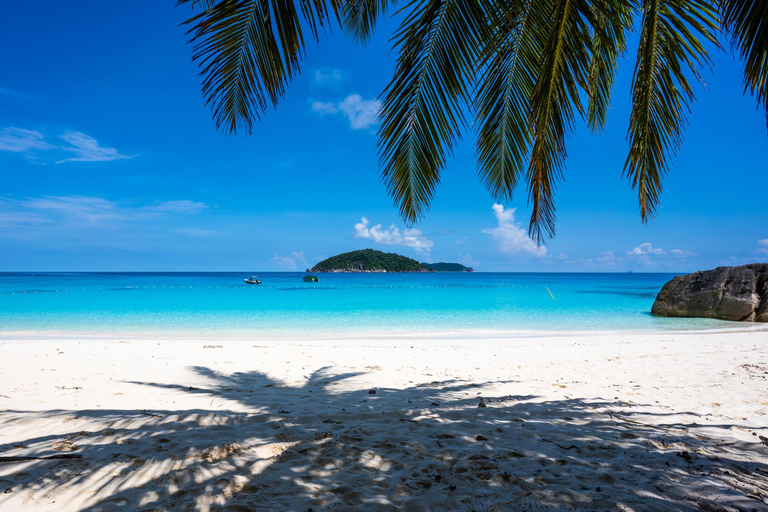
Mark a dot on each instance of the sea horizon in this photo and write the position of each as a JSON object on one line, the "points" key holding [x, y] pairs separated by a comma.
{"points": [[375, 305]]}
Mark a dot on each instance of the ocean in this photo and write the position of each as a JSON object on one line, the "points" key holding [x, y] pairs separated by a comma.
{"points": [[220, 303]]}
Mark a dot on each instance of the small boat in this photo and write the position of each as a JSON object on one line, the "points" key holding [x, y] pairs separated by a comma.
{"points": [[252, 280], [310, 278]]}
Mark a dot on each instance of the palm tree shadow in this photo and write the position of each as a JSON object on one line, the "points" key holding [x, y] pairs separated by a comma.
{"points": [[260, 444]]}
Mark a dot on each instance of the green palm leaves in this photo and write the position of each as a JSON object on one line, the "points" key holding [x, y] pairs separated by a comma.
{"points": [[670, 52], [563, 71], [249, 50], [527, 70], [510, 65], [422, 113], [747, 23]]}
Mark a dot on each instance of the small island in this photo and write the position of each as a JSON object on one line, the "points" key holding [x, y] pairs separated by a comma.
{"points": [[448, 267], [370, 260]]}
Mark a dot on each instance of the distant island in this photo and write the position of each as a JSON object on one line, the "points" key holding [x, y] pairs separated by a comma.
{"points": [[448, 267], [370, 260]]}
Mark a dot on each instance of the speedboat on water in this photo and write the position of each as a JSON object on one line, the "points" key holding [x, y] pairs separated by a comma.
{"points": [[310, 278], [252, 280]]}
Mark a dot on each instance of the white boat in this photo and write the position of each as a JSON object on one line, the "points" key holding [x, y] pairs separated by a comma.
{"points": [[252, 280]]}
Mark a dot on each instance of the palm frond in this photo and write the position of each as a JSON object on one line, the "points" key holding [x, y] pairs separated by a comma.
{"points": [[360, 16], [249, 50], [613, 19], [670, 52], [747, 22], [421, 116], [199, 4], [510, 64], [563, 73]]}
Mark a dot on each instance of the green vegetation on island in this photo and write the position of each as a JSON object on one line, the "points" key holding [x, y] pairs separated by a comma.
{"points": [[448, 267], [369, 260]]}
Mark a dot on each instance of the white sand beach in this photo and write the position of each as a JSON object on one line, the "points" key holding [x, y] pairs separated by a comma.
{"points": [[600, 422]]}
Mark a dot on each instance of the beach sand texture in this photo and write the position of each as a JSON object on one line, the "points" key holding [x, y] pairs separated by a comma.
{"points": [[597, 422]]}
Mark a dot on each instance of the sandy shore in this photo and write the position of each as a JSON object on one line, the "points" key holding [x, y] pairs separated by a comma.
{"points": [[601, 422]]}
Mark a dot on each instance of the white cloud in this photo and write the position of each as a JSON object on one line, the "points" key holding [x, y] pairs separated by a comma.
{"points": [[87, 149], [182, 206], [295, 261], [65, 212], [328, 76], [393, 236], [763, 242], [763, 246], [645, 253], [20, 140], [509, 236], [324, 108], [467, 260], [91, 210], [645, 249], [607, 257], [361, 114]]}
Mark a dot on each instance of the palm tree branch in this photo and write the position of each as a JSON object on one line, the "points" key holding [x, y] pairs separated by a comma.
{"points": [[563, 72], [360, 16], [421, 116], [747, 23], [249, 50], [670, 49], [509, 63], [613, 19]]}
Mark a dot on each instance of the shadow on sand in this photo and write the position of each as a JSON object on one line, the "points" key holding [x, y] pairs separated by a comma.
{"points": [[432, 447]]}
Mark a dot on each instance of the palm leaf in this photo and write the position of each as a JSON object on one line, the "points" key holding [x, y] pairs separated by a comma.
{"points": [[670, 51], [747, 21], [249, 50], [613, 19], [510, 65], [563, 73], [360, 16], [202, 4], [421, 116]]}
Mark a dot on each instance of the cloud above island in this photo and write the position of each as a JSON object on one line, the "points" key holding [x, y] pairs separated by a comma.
{"points": [[509, 236], [414, 238], [297, 260]]}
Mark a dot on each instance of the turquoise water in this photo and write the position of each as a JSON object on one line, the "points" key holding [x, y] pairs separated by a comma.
{"points": [[222, 303]]}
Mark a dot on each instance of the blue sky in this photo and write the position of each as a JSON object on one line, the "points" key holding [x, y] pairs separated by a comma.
{"points": [[109, 160]]}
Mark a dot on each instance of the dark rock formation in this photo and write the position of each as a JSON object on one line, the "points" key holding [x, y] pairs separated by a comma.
{"points": [[728, 293]]}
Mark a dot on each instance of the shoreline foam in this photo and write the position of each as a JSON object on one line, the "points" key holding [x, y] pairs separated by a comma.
{"points": [[393, 334]]}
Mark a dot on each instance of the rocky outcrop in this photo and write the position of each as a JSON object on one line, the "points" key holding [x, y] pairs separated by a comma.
{"points": [[727, 293]]}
